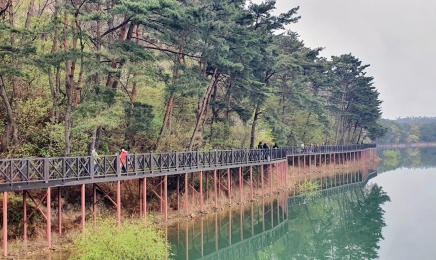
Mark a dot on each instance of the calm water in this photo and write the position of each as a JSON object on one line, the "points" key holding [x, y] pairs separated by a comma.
{"points": [[391, 216]]}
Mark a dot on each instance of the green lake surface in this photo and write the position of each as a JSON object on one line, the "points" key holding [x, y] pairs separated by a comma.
{"points": [[389, 216]]}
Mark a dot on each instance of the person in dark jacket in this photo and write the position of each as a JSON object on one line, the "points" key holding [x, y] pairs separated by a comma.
{"points": [[265, 146], [259, 146], [275, 145]]}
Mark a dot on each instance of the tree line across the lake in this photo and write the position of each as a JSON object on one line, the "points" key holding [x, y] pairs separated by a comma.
{"points": [[409, 130], [168, 75]]}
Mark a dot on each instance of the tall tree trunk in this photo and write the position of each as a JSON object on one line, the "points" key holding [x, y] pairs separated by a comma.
{"points": [[11, 125], [29, 14], [253, 126], [68, 88], [202, 108], [167, 118], [111, 78]]}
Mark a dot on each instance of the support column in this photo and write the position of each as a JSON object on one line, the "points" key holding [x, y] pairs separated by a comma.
{"points": [[94, 202], [178, 192], [49, 216], [261, 176], [201, 191], [83, 206], [25, 216], [144, 198], [251, 182], [240, 185], [214, 189], [229, 185], [186, 194], [166, 197], [60, 210], [119, 203], [5, 224]]}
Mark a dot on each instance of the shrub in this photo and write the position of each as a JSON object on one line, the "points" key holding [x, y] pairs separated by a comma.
{"points": [[133, 240]]}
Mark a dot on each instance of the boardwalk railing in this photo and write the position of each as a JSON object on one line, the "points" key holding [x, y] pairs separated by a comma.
{"points": [[32, 173]]}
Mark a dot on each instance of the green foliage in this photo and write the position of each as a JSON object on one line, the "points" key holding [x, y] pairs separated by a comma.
{"points": [[78, 68], [133, 240], [308, 186]]}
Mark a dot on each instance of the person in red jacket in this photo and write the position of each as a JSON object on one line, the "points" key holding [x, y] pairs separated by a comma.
{"points": [[124, 159]]}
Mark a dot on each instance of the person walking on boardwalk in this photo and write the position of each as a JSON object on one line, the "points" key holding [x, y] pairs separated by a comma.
{"points": [[124, 160], [96, 159], [259, 146]]}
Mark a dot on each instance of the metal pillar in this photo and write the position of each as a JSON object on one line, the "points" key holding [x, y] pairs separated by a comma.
{"points": [[201, 191], [49, 216], [186, 194], [214, 189], [60, 210], [261, 176], [83, 206], [94, 202], [25, 216], [166, 197], [240, 185], [229, 183], [5, 224], [119, 203], [251, 182], [144, 198]]}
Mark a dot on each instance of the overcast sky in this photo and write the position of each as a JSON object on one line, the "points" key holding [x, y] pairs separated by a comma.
{"points": [[396, 37]]}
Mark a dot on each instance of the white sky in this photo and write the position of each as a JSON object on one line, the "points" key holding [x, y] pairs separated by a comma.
{"points": [[396, 37]]}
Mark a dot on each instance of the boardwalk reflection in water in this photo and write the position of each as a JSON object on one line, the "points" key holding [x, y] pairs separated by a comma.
{"points": [[338, 222]]}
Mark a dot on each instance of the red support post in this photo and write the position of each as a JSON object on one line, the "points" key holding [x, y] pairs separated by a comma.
{"points": [[60, 210], [261, 176], [240, 184], [229, 183], [178, 192], [251, 182], [119, 203], [144, 198], [83, 206], [49, 216], [214, 189], [25, 216], [166, 198], [186, 194], [5, 224], [94, 203], [270, 170], [201, 191]]}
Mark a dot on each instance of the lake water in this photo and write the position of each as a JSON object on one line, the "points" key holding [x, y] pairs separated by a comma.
{"points": [[391, 216]]}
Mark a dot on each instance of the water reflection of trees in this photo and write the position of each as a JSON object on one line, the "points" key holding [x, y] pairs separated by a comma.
{"points": [[406, 158], [343, 226]]}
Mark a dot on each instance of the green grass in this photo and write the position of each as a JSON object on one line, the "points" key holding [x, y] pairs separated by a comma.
{"points": [[133, 240]]}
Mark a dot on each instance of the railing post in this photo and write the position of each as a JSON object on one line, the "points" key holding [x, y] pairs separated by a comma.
{"points": [[151, 162], [198, 159], [91, 167], [135, 163], [46, 170], [176, 160], [118, 165], [247, 157]]}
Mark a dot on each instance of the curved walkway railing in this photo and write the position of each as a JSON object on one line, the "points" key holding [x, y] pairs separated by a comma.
{"points": [[33, 173]]}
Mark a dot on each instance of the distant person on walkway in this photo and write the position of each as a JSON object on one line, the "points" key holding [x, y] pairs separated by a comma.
{"points": [[265, 146], [124, 158], [96, 159], [259, 146], [275, 145]]}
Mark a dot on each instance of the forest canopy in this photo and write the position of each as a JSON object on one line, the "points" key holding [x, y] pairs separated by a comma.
{"points": [[162, 75]]}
